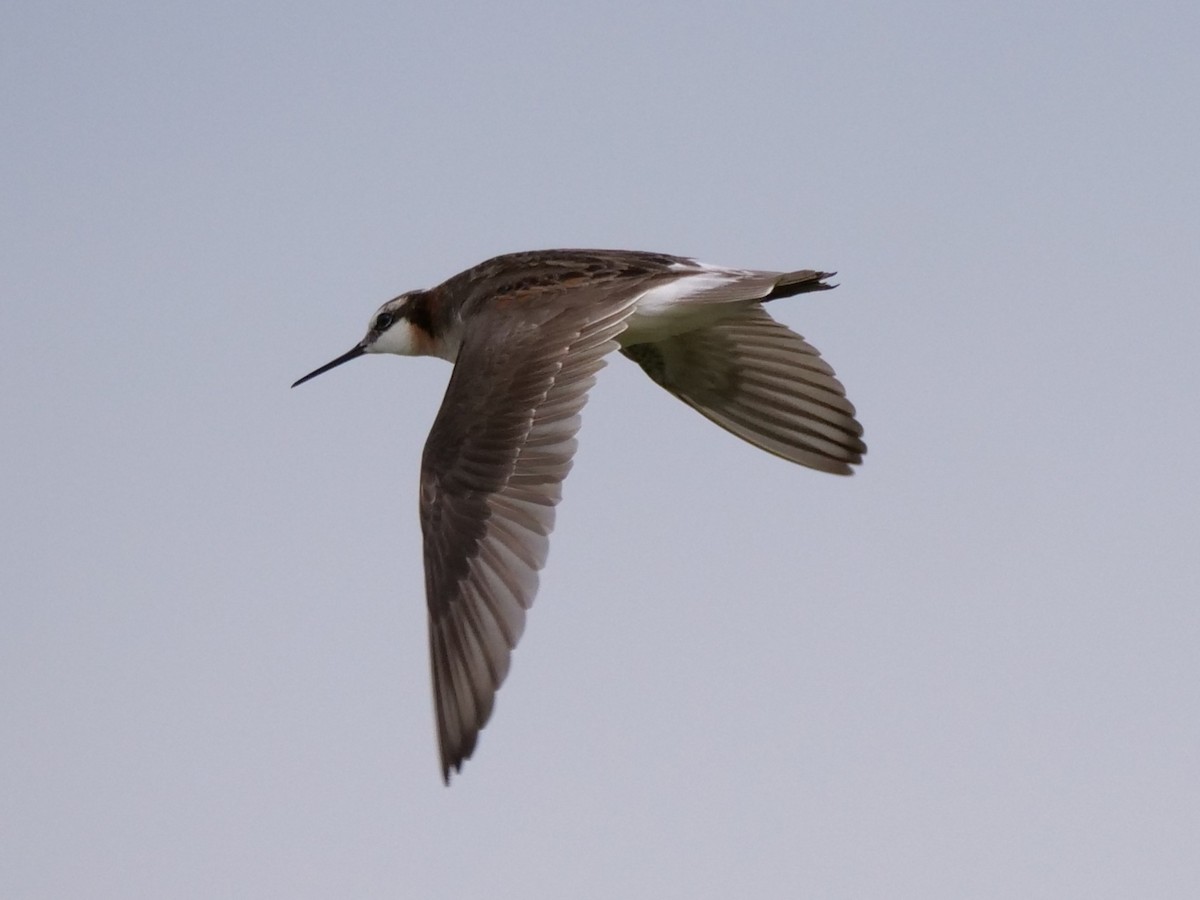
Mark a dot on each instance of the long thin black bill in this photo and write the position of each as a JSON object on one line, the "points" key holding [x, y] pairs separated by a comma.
{"points": [[357, 351]]}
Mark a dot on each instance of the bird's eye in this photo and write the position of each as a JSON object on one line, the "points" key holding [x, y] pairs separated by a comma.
{"points": [[383, 320]]}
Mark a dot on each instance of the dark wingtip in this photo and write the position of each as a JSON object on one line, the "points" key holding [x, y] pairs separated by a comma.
{"points": [[449, 767]]}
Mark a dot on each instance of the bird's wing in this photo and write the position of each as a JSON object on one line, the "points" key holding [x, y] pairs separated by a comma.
{"points": [[763, 382], [491, 475]]}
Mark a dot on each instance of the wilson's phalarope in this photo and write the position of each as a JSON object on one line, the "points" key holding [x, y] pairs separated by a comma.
{"points": [[527, 333]]}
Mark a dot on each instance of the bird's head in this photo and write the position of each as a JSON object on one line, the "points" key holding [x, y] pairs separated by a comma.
{"points": [[401, 326]]}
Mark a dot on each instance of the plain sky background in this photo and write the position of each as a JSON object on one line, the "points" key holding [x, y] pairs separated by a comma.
{"points": [[971, 670]]}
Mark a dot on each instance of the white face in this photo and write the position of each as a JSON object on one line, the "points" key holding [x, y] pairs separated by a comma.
{"points": [[397, 335], [400, 338]]}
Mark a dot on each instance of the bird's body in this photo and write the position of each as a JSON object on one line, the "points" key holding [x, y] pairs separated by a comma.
{"points": [[527, 332]]}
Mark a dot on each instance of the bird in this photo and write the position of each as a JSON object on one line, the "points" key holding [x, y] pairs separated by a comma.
{"points": [[527, 332]]}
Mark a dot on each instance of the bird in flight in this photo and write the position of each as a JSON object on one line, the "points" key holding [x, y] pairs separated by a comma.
{"points": [[527, 333]]}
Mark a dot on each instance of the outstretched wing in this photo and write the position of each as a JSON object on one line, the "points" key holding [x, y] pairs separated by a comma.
{"points": [[763, 382], [491, 474]]}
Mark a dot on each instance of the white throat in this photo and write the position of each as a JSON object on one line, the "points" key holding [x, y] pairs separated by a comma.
{"points": [[403, 339]]}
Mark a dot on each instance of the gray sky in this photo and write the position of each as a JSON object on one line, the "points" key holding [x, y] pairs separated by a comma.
{"points": [[969, 671]]}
